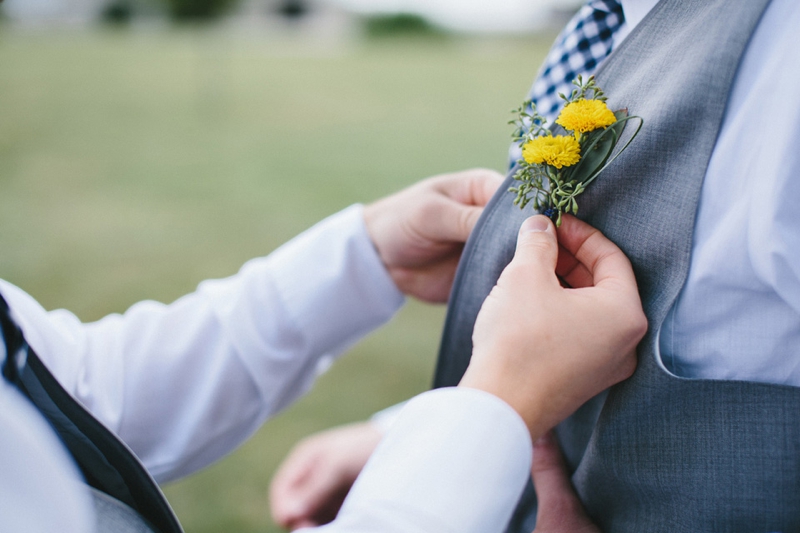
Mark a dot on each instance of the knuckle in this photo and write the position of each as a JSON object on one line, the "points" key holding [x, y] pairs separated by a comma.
{"points": [[632, 322], [477, 172], [427, 211], [466, 220], [483, 182], [538, 243], [638, 324], [486, 174]]}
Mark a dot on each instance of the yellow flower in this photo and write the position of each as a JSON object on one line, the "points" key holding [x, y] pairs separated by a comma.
{"points": [[582, 116], [558, 151]]}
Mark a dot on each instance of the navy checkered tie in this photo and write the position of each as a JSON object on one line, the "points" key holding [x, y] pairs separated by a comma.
{"points": [[582, 45]]}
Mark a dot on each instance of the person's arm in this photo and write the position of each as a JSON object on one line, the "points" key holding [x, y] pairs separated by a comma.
{"points": [[183, 384], [457, 459]]}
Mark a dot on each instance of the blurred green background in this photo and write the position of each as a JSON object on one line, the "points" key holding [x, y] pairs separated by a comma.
{"points": [[134, 164]]}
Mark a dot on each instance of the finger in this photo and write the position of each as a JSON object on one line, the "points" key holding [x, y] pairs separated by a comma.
{"points": [[470, 187], [484, 186], [537, 247], [550, 478], [285, 494], [288, 507], [312, 498], [557, 501], [601, 257], [294, 468], [451, 221], [453, 215], [300, 524], [572, 271], [431, 283], [302, 487], [467, 221]]}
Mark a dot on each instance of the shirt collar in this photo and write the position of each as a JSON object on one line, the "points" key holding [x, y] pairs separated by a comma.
{"points": [[636, 10]]}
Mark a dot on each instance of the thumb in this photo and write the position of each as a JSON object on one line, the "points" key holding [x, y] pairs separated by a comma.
{"points": [[463, 220], [537, 246]]}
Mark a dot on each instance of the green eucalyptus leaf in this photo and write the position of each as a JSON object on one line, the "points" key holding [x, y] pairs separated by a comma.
{"points": [[597, 147], [623, 121]]}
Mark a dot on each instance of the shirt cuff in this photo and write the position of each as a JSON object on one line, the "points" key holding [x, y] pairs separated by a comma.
{"points": [[456, 460], [384, 419]]}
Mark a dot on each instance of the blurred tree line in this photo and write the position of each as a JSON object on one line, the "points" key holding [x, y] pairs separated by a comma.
{"points": [[121, 12]]}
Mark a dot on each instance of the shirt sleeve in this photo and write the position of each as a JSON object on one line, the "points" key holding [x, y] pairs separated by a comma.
{"points": [[455, 461], [185, 383]]}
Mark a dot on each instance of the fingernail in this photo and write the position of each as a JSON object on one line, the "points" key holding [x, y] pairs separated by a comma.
{"points": [[535, 224]]}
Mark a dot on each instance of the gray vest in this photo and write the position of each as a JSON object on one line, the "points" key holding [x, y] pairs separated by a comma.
{"points": [[657, 452]]}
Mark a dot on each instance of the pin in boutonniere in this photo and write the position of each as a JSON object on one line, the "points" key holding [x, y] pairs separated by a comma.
{"points": [[556, 169]]}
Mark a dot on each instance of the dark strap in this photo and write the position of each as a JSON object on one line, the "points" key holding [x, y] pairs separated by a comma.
{"points": [[106, 462]]}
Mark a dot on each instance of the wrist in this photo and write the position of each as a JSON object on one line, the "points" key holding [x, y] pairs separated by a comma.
{"points": [[529, 405], [372, 221], [377, 230]]}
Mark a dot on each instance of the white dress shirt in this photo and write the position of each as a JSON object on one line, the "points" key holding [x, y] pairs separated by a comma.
{"points": [[184, 384], [738, 315]]}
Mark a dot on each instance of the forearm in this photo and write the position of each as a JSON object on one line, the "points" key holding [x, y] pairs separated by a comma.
{"points": [[185, 383]]}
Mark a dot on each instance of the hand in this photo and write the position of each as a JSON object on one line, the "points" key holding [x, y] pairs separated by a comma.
{"points": [[560, 510], [546, 349], [420, 231], [313, 481]]}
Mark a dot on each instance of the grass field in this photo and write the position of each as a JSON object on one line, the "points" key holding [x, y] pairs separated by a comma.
{"points": [[134, 165]]}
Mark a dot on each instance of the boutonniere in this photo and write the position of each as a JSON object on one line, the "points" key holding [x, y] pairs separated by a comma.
{"points": [[556, 169]]}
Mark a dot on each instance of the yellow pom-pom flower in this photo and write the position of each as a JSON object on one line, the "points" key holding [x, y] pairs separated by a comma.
{"points": [[558, 151], [582, 116]]}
